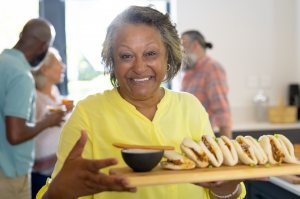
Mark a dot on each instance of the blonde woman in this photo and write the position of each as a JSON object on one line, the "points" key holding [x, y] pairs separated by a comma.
{"points": [[46, 143]]}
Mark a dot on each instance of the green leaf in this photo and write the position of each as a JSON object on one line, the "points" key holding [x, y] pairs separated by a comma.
{"points": [[183, 153], [210, 166], [194, 140], [216, 140], [268, 165], [276, 136], [256, 140], [237, 141]]}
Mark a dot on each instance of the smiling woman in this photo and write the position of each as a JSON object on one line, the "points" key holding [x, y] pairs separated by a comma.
{"points": [[157, 21], [141, 62], [141, 50]]}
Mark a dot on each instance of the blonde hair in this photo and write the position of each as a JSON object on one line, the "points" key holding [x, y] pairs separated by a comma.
{"points": [[39, 78], [137, 15]]}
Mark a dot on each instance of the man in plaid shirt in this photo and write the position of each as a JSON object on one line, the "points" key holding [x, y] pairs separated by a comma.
{"points": [[206, 79]]}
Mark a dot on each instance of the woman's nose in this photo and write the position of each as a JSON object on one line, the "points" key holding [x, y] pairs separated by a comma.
{"points": [[140, 66]]}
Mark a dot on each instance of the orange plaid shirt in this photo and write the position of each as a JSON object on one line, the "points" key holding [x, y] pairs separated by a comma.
{"points": [[207, 81]]}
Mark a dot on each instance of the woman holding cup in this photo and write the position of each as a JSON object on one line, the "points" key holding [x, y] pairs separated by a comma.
{"points": [[48, 100]]}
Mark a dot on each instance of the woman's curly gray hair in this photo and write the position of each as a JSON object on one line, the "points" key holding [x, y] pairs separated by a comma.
{"points": [[137, 15]]}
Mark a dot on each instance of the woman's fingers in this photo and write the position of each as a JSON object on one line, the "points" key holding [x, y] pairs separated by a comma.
{"points": [[96, 165], [114, 183], [101, 182], [260, 179], [79, 146], [209, 184]]}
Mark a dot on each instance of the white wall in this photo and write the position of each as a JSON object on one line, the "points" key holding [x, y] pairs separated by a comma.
{"points": [[298, 38], [250, 37]]}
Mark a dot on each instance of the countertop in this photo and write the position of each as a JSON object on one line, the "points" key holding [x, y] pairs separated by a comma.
{"points": [[293, 188], [261, 126], [243, 119]]}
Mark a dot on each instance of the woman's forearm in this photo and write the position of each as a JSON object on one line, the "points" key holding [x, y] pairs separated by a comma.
{"points": [[226, 190], [46, 196]]}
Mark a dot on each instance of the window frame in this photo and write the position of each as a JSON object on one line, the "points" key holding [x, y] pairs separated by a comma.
{"points": [[54, 11]]}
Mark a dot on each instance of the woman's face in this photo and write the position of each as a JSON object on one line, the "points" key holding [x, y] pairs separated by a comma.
{"points": [[140, 61], [55, 71]]}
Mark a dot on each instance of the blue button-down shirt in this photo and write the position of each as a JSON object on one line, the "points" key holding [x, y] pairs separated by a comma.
{"points": [[17, 98]]}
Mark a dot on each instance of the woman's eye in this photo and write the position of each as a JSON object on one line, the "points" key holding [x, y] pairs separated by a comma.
{"points": [[126, 56], [151, 53]]}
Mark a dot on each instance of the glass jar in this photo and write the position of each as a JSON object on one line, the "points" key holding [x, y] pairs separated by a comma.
{"points": [[260, 101]]}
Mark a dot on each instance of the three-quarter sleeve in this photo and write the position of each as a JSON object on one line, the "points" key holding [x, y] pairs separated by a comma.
{"points": [[70, 134]]}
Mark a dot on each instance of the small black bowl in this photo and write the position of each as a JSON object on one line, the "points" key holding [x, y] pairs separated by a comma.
{"points": [[142, 160]]}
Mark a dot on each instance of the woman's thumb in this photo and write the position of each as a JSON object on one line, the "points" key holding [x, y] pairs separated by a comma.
{"points": [[79, 146]]}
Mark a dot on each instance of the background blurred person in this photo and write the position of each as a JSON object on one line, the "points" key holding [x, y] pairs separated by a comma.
{"points": [[206, 79], [47, 93], [17, 98]]}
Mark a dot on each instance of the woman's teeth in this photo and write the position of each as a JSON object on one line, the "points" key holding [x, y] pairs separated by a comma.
{"points": [[141, 80]]}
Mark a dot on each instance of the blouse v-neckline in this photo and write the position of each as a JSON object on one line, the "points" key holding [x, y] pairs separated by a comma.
{"points": [[160, 106]]}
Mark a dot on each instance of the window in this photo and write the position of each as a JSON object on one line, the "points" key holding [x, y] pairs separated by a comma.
{"points": [[13, 18], [86, 24]]}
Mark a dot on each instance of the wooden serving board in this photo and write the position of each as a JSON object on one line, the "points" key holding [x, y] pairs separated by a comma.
{"points": [[160, 176]]}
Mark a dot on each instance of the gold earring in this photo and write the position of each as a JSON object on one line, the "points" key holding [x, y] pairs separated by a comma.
{"points": [[168, 67]]}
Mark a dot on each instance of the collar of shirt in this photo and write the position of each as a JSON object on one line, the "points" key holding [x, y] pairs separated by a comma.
{"points": [[18, 54], [161, 106]]}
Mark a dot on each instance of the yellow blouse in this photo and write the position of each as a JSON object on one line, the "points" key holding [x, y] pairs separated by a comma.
{"points": [[108, 118]]}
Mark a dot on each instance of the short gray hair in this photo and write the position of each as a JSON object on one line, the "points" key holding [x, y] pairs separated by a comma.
{"points": [[137, 15], [38, 76]]}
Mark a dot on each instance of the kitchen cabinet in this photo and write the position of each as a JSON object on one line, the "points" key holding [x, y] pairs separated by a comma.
{"points": [[267, 190], [292, 134]]}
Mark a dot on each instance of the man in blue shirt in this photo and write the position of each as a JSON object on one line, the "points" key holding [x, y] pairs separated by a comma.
{"points": [[17, 99]]}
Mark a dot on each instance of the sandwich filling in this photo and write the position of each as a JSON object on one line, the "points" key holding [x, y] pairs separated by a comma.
{"points": [[226, 143], [176, 162], [245, 148], [201, 157], [208, 146], [277, 155]]}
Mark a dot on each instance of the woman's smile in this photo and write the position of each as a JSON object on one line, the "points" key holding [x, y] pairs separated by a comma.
{"points": [[141, 81]]}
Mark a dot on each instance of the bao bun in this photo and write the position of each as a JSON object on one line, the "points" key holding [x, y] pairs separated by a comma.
{"points": [[287, 149], [194, 152], [265, 143], [216, 158], [183, 162], [258, 151], [242, 146], [228, 150]]}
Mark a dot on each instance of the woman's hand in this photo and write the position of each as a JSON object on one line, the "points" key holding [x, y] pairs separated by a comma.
{"points": [[69, 105], [53, 119], [81, 177], [224, 188]]}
